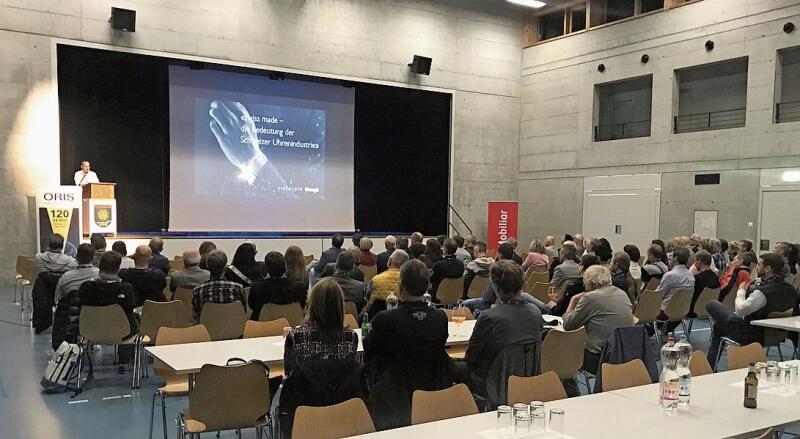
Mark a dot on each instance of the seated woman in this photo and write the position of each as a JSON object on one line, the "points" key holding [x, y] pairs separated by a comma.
{"points": [[323, 335], [433, 253], [296, 265], [537, 257], [367, 257], [244, 269], [601, 309]]}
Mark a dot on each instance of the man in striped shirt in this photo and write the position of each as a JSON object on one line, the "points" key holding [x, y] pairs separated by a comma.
{"points": [[216, 289]]}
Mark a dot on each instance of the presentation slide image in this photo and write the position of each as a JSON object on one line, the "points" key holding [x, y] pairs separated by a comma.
{"points": [[258, 150]]}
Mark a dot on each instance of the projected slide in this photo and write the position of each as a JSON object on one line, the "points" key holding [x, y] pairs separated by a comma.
{"points": [[252, 154]]}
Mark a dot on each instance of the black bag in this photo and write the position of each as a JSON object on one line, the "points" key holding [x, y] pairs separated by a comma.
{"points": [[66, 320], [44, 290]]}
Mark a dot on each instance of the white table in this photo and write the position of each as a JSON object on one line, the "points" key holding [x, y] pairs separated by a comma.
{"points": [[786, 323], [716, 412]]}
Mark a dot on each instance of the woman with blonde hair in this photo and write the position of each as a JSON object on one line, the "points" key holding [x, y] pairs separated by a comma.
{"points": [[367, 257], [323, 335], [537, 256], [296, 264]]}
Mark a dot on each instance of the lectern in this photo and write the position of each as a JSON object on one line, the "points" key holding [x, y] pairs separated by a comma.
{"points": [[99, 208]]}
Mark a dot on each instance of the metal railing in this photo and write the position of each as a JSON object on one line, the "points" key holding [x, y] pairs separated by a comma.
{"points": [[626, 130], [713, 120], [787, 112], [464, 223]]}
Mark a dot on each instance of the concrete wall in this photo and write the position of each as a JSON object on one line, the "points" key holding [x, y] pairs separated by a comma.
{"points": [[558, 80], [476, 51]]}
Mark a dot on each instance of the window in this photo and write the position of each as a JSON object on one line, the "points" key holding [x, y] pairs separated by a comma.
{"points": [[551, 26], [623, 109], [578, 19], [711, 96], [652, 5], [787, 86], [619, 9]]}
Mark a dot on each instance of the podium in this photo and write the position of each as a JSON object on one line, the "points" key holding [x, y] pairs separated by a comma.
{"points": [[99, 208]]}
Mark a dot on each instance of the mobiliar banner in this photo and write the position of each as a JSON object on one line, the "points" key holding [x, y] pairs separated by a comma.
{"points": [[502, 222]]}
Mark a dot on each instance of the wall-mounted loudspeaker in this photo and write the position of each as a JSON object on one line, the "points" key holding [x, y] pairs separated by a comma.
{"points": [[421, 65], [601, 68], [645, 58], [123, 19], [709, 46], [788, 27]]}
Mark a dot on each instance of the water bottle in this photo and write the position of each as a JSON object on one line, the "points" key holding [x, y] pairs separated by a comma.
{"points": [[669, 383], [365, 324], [684, 354], [391, 301], [427, 298]]}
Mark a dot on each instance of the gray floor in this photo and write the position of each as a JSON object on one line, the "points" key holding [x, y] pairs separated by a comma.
{"points": [[108, 407]]}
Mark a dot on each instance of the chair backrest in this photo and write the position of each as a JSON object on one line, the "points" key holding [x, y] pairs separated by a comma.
{"points": [[740, 357], [176, 264], [649, 306], [679, 304], [698, 364], [437, 405], [707, 295], [796, 281], [290, 311], [534, 277], [449, 313], [104, 324], [225, 321], [545, 387], [351, 308], [369, 272], [450, 290], [25, 268], [349, 418], [622, 376], [158, 314], [539, 291], [169, 336], [350, 322], [184, 295], [477, 286], [562, 352], [229, 397], [730, 299], [271, 328], [653, 284], [308, 258]]}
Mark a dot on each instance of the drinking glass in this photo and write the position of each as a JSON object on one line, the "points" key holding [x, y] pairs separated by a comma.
{"points": [[522, 424], [521, 408], [286, 331], [784, 374], [503, 420], [538, 416], [557, 421], [761, 372], [459, 316]]}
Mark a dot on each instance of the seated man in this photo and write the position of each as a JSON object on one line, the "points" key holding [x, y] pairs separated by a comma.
{"points": [[216, 289], [478, 266], [148, 283], [98, 241], [276, 287], [53, 260], [352, 289], [559, 307], [355, 273], [109, 289], [601, 309], [513, 321], [705, 278], [461, 254], [654, 267], [158, 260], [387, 282], [122, 249], [85, 271], [449, 267], [191, 275], [568, 269], [678, 278], [417, 248], [753, 302], [406, 349], [329, 255], [382, 261]]}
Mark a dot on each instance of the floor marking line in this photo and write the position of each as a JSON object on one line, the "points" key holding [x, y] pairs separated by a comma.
{"points": [[78, 402], [112, 397]]}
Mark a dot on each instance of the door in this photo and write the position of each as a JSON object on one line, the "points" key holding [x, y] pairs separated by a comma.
{"points": [[779, 213]]}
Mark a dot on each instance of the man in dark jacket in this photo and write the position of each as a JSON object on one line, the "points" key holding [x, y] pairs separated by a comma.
{"points": [[330, 254], [448, 267], [148, 281], [417, 248], [109, 289], [158, 260], [406, 350], [353, 289], [383, 258], [276, 288]]}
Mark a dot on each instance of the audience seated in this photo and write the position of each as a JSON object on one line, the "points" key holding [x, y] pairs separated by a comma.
{"points": [[479, 266], [580, 247], [382, 260], [469, 244], [322, 336], [417, 248], [433, 253], [406, 349], [449, 267], [513, 321], [216, 289], [678, 278], [53, 260], [601, 309], [753, 302], [537, 256], [705, 278], [387, 282], [368, 258], [296, 265], [191, 275], [784, 250], [98, 241], [574, 287], [205, 248], [158, 260], [122, 249], [329, 255], [620, 275], [244, 269], [352, 289], [84, 271], [148, 282], [654, 267], [550, 249], [568, 269], [354, 273], [277, 288], [461, 254], [109, 289], [516, 258], [635, 270], [737, 273]]}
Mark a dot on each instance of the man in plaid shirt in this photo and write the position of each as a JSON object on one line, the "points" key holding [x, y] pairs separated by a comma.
{"points": [[216, 289]]}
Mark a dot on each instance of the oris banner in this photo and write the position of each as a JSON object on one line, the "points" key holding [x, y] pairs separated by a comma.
{"points": [[502, 222], [58, 210]]}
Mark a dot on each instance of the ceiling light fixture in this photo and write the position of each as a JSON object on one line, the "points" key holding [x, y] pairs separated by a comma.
{"points": [[530, 3]]}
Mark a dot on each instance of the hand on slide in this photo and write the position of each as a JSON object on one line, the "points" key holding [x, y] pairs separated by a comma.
{"points": [[231, 123]]}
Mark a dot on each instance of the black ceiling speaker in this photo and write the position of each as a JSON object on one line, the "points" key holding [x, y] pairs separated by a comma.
{"points": [[788, 27], [709, 46], [421, 65], [601, 68], [123, 19], [645, 58]]}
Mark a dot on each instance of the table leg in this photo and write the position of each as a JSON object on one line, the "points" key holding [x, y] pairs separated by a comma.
{"points": [[191, 383]]}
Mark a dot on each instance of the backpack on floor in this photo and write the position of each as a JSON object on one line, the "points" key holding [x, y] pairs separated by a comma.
{"points": [[62, 371]]}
